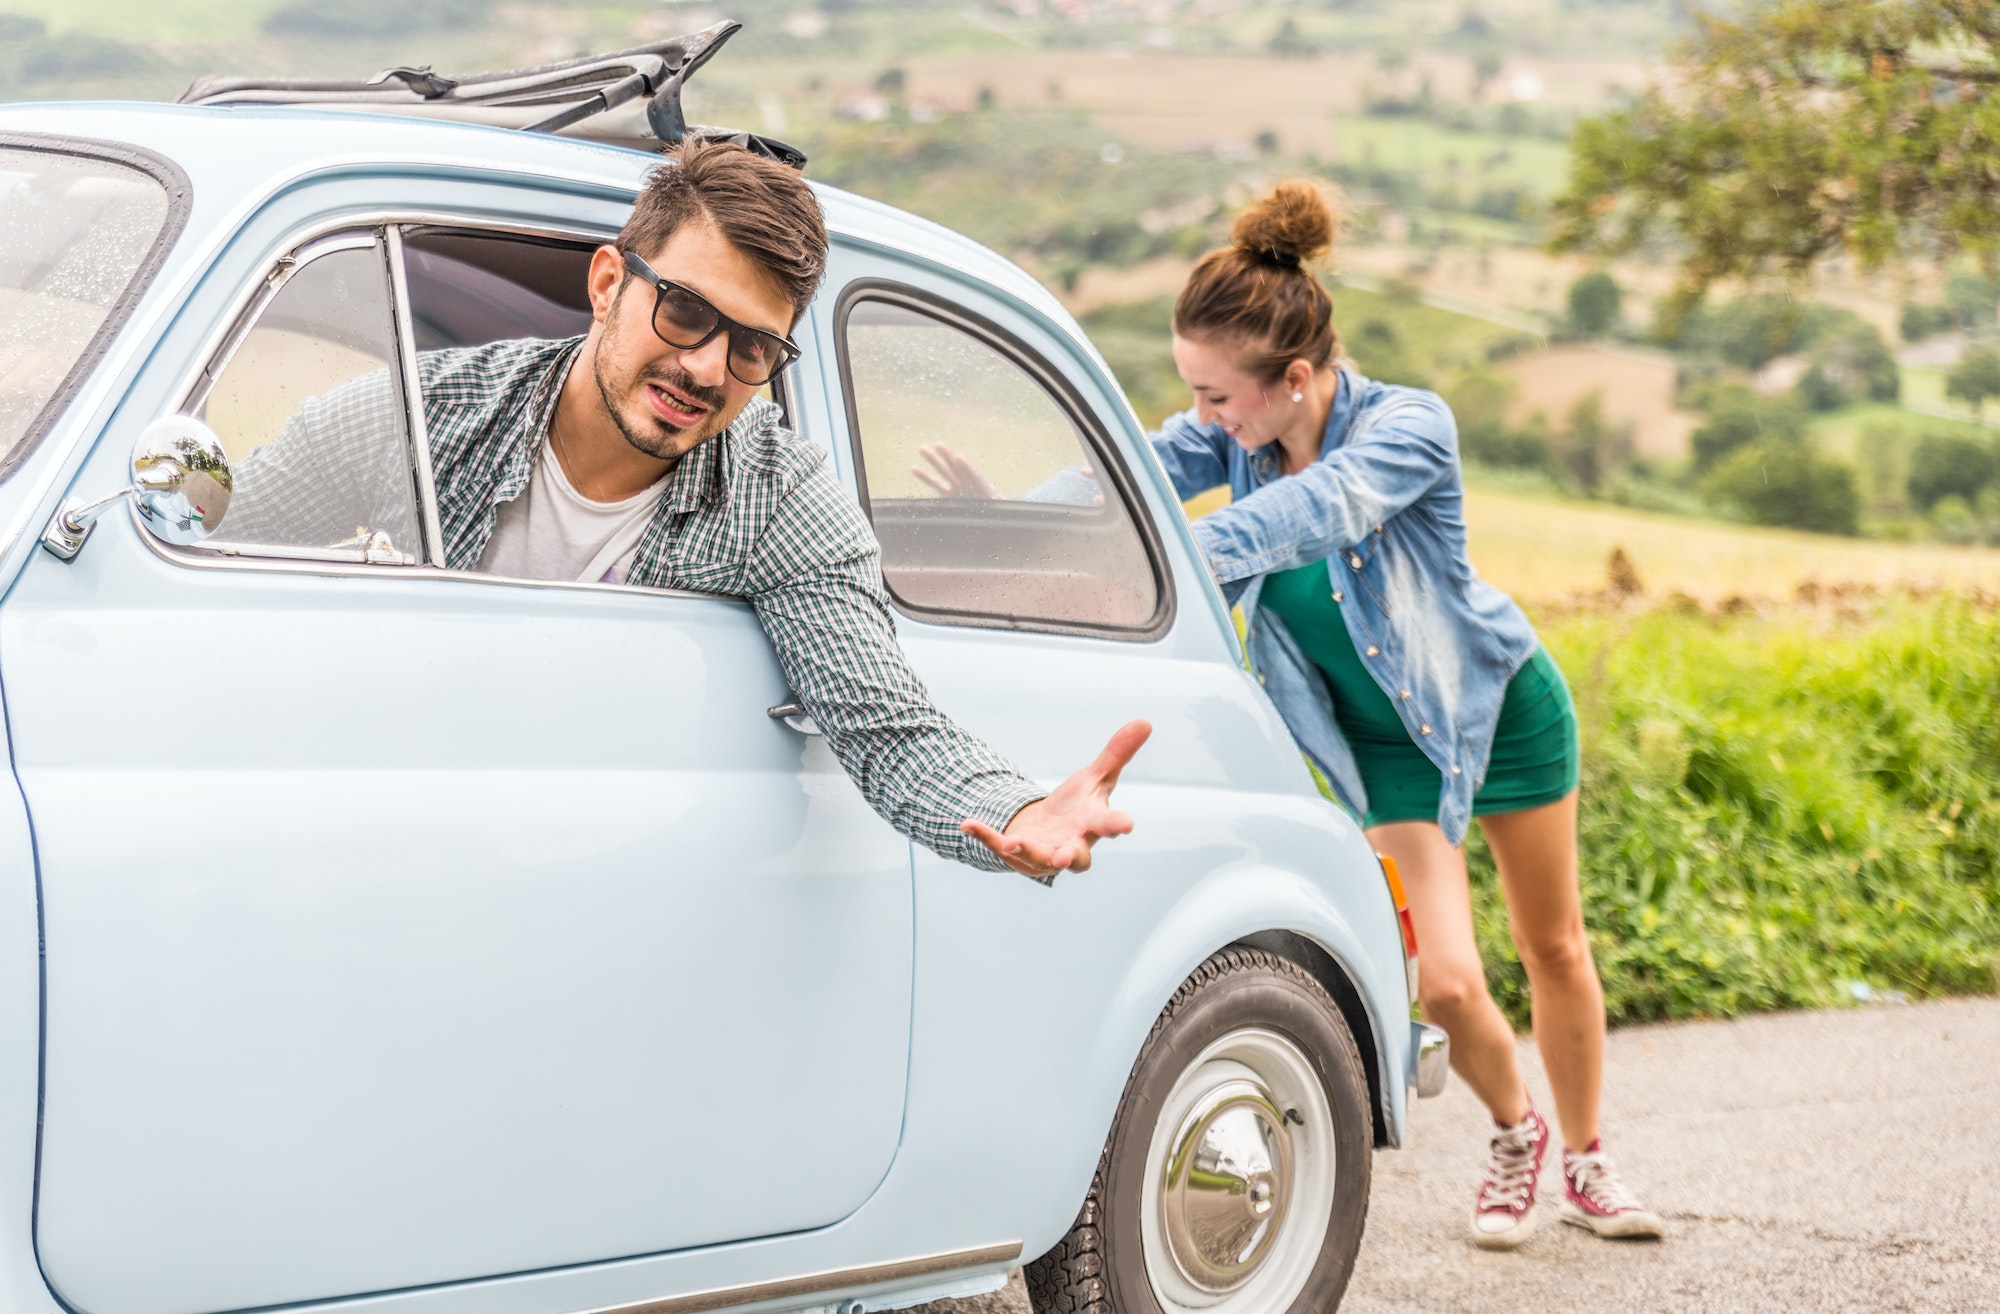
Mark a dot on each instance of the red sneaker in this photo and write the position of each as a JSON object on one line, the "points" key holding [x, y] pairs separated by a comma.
{"points": [[1505, 1214], [1594, 1198]]}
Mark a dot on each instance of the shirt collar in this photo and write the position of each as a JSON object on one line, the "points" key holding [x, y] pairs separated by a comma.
{"points": [[703, 474]]}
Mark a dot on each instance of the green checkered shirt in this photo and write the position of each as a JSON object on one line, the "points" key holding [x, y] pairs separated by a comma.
{"points": [[753, 513]]}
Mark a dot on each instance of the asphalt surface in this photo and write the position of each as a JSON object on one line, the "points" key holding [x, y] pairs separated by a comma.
{"points": [[1844, 1161]]}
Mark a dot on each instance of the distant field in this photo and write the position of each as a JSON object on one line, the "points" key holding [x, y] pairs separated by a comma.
{"points": [[1637, 389], [176, 21], [1545, 550], [1473, 161]]}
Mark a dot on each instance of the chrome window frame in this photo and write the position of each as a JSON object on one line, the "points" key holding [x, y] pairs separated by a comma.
{"points": [[1097, 440], [231, 327]]}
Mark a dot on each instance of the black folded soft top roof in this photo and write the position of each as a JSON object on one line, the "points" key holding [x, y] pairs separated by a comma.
{"points": [[578, 97]]}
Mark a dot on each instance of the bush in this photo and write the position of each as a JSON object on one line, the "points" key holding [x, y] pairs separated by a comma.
{"points": [[1772, 806], [1919, 322], [1787, 482], [1737, 417], [1850, 363], [1943, 464]]}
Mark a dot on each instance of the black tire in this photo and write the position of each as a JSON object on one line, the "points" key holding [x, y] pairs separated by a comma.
{"points": [[1100, 1267]]}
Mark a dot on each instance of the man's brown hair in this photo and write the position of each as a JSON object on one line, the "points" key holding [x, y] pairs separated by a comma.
{"points": [[761, 207]]}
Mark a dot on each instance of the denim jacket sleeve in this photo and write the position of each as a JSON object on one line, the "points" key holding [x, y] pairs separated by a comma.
{"points": [[1195, 457], [1393, 457]]}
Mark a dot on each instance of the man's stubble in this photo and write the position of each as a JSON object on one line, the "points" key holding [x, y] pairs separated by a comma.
{"points": [[653, 435]]}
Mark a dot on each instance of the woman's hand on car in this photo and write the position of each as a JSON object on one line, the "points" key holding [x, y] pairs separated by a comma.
{"points": [[1055, 833], [952, 475]]}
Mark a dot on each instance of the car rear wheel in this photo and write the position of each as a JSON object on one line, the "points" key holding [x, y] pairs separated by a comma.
{"points": [[1236, 1177]]}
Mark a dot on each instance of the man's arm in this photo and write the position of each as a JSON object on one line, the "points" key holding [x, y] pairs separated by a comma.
{"points": [[340, 463], [816, 582]]}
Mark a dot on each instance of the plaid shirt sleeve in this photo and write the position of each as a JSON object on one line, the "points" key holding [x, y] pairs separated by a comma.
{"points": [[339, 466], [815, 579]]}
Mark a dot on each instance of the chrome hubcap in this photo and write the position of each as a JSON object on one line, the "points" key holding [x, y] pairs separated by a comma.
{"points": [[1227, 1184], [1239, 1179]]}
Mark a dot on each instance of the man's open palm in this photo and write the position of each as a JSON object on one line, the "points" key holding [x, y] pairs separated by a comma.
{"points": [[1055, 833]]}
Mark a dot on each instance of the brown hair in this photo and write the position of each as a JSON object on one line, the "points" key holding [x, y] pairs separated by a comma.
{"points": [[761, 207], [1258, 292]]}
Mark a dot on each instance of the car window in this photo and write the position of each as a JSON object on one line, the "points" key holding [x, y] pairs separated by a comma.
{"points": [[987, 496], [310, 406], [75, 232]]}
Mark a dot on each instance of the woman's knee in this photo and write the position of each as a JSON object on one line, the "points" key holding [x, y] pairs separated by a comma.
{"points": [[1450, 993], [1556, 953]]}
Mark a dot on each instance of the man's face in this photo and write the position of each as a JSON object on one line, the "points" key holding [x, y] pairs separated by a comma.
{"points": [[663, 399]]}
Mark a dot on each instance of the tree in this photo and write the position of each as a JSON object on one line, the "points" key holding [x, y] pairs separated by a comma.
{"points": [[1975, 378], [1793, 130], [1948, 464], [1785, 481], [1594, 303], [1738, 417], [1850, 363]]}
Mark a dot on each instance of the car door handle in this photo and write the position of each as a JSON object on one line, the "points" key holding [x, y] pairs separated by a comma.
{"points": [[796, 716]]}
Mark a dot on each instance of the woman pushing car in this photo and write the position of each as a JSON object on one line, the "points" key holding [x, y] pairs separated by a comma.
{"points": [[1420, 690]]}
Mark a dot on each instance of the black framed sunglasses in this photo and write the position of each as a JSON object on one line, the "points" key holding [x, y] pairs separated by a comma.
{"points": [[686, 319]]}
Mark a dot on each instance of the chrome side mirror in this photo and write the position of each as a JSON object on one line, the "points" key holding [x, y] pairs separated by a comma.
{"points": [[180, 487]]}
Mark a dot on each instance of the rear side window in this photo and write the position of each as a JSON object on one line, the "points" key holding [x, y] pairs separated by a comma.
{"points": [[992, 504], [78, 235]]}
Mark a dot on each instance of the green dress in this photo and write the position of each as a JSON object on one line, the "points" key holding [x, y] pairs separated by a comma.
{"points": [[1535, 758]]}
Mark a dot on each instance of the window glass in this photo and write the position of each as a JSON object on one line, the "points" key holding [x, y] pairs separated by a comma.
{"points": [[311, 411], [73, 234], [468, 289], [981, 485]]}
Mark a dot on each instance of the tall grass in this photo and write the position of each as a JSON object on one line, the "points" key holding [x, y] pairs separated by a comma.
{"points": [[1778, 805]]}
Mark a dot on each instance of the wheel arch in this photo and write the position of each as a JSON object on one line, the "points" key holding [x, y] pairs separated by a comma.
{"points": [[1328, 971]]}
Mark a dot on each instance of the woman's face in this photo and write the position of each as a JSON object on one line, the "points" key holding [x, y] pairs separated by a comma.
{"points": [[1226, 395]]}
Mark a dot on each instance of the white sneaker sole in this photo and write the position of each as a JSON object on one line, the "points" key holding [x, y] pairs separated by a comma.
{"points": [[1632, 1224], [1507, 1240]]}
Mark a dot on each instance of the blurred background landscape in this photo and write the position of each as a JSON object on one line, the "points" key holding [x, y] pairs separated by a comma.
{"points": [[1763, 538]]}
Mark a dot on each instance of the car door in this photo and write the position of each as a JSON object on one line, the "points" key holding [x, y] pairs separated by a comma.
{"points": [[405, 925]]}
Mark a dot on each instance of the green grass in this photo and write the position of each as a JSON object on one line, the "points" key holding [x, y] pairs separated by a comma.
{"points": [[151, 20], [1776, 805], [1473, 160]]}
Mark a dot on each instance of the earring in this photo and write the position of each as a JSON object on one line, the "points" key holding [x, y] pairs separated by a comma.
{"points": [[1298, 397]]}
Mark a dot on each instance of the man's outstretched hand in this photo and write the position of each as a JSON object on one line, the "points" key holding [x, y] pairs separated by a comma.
{"points": [[1055, 833]]}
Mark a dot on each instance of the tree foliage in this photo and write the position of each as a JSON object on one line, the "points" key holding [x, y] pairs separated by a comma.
{"points": [[1794, 130], [1594, 303], [1785, 481], [1975, 378]]}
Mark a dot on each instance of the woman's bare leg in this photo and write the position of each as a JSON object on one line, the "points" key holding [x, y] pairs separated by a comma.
{"points": [[1451, 981], [1536, 854]]}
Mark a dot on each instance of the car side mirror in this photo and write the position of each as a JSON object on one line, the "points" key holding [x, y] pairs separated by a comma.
{"points": [[180, 487]]}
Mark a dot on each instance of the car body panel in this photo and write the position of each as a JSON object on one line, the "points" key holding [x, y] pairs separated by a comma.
{"points": [[1027, 1004]]}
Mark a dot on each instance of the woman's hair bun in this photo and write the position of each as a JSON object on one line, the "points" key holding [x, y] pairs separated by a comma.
{"points": [[1290, 224]]}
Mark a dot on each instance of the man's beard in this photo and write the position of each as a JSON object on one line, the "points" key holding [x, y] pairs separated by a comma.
{"points": [[654, 435]]}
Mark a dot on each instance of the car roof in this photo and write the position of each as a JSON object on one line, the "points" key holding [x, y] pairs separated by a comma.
{"points": [[237, 157]]}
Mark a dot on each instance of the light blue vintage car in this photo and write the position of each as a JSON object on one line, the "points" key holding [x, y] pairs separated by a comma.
{"points": [[381, 937]]}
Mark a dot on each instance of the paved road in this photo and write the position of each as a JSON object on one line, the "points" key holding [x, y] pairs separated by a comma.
{"points": [[1844, 1161]]}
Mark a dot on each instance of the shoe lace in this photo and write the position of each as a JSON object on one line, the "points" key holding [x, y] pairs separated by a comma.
{"points": [[1510, 1168], [1592, 1175]]}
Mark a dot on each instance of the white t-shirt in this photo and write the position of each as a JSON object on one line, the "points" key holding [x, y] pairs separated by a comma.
{"points": [[551, 531]]}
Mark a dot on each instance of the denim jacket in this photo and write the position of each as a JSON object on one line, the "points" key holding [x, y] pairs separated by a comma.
{"points": [[1384, 508]]}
